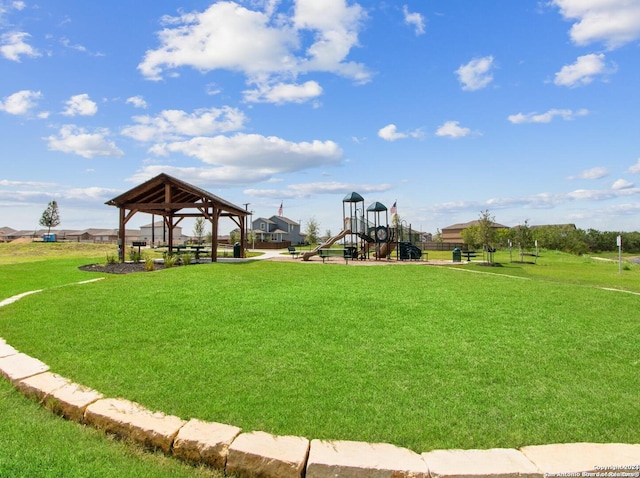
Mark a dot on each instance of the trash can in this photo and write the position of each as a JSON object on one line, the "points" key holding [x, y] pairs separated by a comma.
{"points": [[457, 255], [237, 252]]}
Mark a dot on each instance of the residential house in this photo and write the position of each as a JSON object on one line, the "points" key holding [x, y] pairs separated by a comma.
{"points": [[453, 233], [158, 234], [6, 234], [277, 229], [101, 236]]}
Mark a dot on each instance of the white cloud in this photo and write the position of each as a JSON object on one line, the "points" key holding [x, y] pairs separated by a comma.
{"points": [[390, 133], [137, 102], [80, 105], [72, 139], [453, 130], [476, 74], [280, 93], [90, 194], [13, 46], [225, 176], [635, 169], [177, 124], [622, 184], [306, 190], [582, 71], [253, 152], [535, 201], [414, 19], [593, 173], [243, 158], [546, 117], [21, 102], [29, 184], [261, 44], [613, 22], [226, 35], [67, 44]]}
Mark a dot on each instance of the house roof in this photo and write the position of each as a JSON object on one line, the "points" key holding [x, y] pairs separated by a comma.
{"points": [[464, 225], [158, 224], [285, 220], [95, 232]]}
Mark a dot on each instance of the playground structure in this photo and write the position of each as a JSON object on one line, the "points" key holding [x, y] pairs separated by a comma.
{"points": [[367, 233]]}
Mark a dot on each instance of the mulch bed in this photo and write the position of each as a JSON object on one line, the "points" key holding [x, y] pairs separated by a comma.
{"points": [[120, 268]]}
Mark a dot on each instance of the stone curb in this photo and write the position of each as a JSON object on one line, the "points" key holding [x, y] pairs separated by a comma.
{"points": [[130, 420], [260, 454], [19, 366], [267, 456], [59, 395]]}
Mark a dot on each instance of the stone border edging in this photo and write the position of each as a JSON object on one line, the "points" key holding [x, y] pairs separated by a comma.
{"points": [[257, 453]]}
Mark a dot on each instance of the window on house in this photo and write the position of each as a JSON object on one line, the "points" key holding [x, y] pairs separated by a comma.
{"points": [[262, 226]]}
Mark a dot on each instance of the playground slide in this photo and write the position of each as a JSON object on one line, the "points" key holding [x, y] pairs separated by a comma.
{"points": [[384, 252], [309, 254]]}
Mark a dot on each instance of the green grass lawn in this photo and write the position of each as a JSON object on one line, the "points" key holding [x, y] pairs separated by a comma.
{"points": [[37, 444], [422, 357]]}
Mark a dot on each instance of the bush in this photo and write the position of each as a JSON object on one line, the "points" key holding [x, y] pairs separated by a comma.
{"points": [[186, 259], [169, 260], [111, 259], [149, 263], [134, 256]]}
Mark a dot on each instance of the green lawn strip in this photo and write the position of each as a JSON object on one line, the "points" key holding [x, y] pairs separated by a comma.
{"points": [[38, 444], [20, 252], [18, 278], [560, 267], [418, 356]]}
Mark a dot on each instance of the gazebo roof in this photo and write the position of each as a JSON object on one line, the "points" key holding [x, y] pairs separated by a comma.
{"points": [[151, 197]]}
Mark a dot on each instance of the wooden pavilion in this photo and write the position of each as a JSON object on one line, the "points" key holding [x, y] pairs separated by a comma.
{"points": [[174, 200]]}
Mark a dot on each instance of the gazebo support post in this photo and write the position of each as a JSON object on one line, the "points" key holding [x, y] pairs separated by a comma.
{"points": [[214, 235], [121, 235]]}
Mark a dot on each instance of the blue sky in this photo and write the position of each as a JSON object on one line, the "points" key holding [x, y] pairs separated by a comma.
{"points": [[448, 107]]}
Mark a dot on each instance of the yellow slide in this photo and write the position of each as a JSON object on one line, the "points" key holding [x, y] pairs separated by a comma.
{"points": [[309, 254]]}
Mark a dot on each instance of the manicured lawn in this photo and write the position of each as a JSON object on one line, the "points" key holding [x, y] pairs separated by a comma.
{"points": [[422, 357], [37, 444]]}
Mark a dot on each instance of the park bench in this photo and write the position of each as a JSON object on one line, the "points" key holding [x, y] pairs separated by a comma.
{"points": [[326, 253], [293, 252], [469, 254], [195, 250]]}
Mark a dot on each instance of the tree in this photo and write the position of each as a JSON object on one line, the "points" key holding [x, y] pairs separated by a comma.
{"points": [[234, 236], [50, 217], [312, 231], [523, 236], [471, 237], [198, 229], [487, 233]]}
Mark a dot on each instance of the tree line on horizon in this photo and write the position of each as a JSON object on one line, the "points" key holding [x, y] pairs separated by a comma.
{"points": [[565, 238]]}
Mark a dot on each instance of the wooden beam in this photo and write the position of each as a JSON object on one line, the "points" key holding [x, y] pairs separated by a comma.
{"points": [[165, 205]]}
